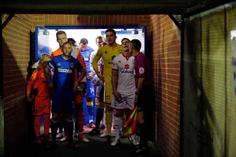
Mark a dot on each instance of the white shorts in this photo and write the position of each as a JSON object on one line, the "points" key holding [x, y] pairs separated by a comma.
{"points": [[127, 102]]}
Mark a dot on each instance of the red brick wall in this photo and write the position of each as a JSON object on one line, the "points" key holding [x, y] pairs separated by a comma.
{"points": [[58, 19], [166, 65], [16, 41], [51, 19], [115, 20]]}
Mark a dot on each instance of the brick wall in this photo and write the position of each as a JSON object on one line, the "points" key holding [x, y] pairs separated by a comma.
{"points": [[15, 62], [166, 71], [58, 19]]}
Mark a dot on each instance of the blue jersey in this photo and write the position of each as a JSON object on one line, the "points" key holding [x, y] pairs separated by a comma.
{"points": [[63, 73], [87, 58], [90, 93]]}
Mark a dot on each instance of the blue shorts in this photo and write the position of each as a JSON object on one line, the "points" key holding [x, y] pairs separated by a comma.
{"points": [[90, 91], [62, 102]]}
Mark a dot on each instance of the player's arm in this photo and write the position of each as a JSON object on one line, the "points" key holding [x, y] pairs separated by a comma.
{"points": [[92, 72], [114, 80], [49, 73], [80, 59], [79, 70], [95, 60], [139, 85], [140, 75], [30, 84], [82, 73]]}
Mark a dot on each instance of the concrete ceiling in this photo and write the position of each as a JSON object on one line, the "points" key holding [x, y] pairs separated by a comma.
{"points": [[183, 7]]}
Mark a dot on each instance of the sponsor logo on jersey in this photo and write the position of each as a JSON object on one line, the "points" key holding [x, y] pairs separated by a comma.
{"points": [[127, 72], [64, 70], [126, 66]]}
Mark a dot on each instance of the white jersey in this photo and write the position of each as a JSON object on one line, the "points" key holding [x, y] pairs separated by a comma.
{"points": [[126, 74]]}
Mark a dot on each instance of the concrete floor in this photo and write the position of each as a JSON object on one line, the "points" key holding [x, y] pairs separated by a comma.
{"points": [[96, 146]]}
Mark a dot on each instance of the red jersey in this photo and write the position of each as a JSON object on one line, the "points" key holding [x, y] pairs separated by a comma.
{"points": [[38, 82]]}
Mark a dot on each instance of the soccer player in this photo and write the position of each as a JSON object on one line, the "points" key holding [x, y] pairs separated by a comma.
{"points": [[99, 85], [107, 53], [64, 71], [87, 52], [61, 37], [123, 87]]}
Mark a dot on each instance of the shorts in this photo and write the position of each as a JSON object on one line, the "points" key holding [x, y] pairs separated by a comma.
{"points": [[126, 102], [146, 98], [62, 102], [90, 90]]}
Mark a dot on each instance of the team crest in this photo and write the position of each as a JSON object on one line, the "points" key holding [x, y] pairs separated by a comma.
{"points": [[126, 66], [71, 65], [58, 64]]}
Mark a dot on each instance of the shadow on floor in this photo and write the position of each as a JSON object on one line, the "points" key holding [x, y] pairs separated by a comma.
{"points": [[96, 146]]}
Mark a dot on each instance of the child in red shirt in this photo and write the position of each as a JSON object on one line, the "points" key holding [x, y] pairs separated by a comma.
{"points": [[39, 92]]}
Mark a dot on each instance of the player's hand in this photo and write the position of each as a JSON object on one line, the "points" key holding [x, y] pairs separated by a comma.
{"points": [[136, 99], [117, 96], [90, 75], [101, 77]]}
